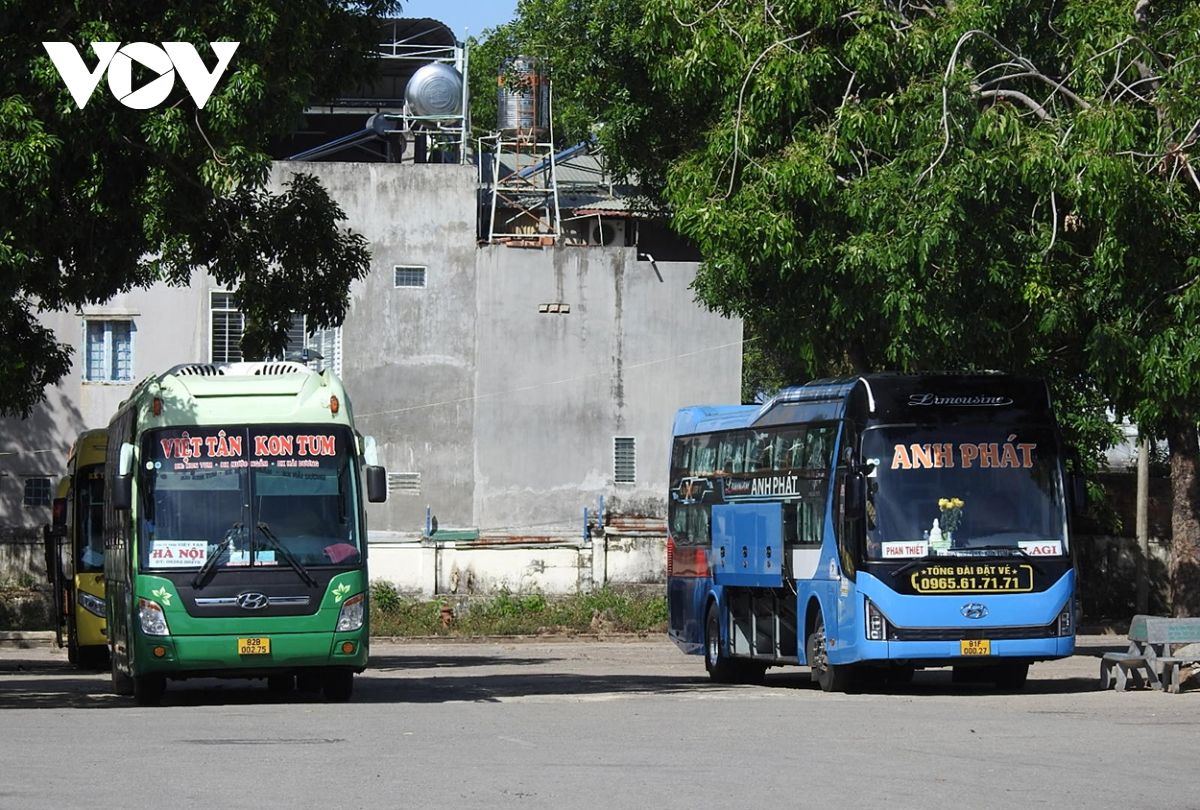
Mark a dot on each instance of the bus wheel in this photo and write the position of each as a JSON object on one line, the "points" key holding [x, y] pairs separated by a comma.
{"points": [[148, 689], [831, 677], [1011, 677], [122, 684], [308, 682], [92, 657], [720, 668], [338, 686], [281, 685]]}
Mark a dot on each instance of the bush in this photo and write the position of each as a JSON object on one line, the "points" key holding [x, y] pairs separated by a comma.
{"points": [[507, 613]]}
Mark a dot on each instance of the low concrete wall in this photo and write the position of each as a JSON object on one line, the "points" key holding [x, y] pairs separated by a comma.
{"points": [[424, 567], [22, 563]]}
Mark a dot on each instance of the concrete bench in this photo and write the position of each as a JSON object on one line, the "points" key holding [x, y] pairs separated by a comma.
{"points": [[1117, 669], [1150, 657]]}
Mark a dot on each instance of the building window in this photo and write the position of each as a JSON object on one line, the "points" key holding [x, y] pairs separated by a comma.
{"points": [[327, 343], [227, 325], [37, 491], [404, 483], [108, 350], [410, 275], [624, 460]]}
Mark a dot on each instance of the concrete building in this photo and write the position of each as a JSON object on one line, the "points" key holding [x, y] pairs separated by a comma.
{"points": [[509, 385], [508, 388]]}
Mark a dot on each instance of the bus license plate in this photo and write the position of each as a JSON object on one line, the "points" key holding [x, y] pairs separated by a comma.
{"points": [[259, 646], [975, 647]]}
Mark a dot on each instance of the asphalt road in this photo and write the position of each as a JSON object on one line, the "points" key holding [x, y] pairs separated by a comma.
{"points": [[592, 724]]}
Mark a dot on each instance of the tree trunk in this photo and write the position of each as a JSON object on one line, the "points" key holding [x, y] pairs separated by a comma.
{"points": [[1183, 568]]}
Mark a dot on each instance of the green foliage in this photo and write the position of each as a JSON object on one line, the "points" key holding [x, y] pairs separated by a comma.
{"points": [[603, 611], [600, 55], [101, 200], [952, 185]]}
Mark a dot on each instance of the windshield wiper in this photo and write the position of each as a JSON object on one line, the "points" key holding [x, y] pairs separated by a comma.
{"points": [[911, 564], [1013, 550], [288, 557], [210, 565]]}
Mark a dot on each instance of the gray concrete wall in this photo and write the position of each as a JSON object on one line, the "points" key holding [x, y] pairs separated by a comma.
{"points": [[408, 354], [555, 389], [508, 414]]}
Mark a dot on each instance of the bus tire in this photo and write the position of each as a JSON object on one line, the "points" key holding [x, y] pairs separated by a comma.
{"points": [[338, 686], [92, 657], [1011, 677], [148, 689], [831, 677], [720, 668], [281, 685], [72, 645], [122, 684]]}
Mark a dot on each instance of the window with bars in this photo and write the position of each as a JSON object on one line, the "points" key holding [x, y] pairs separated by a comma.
{"points": [[409, 275], [37, 491], [108, 350], [327, 343], [624, 460], [228, 323]]}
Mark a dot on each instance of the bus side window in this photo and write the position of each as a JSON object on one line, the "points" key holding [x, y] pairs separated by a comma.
{"points": [[761, 452]]}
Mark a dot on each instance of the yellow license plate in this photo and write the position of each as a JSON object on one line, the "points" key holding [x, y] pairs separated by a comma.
{"points": [[254, 646], [975, 647]]}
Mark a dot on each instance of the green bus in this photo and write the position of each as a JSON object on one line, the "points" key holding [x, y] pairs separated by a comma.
{"points": [[235, 534]]}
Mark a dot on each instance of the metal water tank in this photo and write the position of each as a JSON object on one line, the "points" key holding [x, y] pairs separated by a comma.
{"points": [[434, 90], [523, 97]]}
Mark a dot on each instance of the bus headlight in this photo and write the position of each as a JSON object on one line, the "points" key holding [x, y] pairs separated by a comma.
{"points": [[1066, 620], [877, 623], [351, 617], [154, 623], [91, 603]]}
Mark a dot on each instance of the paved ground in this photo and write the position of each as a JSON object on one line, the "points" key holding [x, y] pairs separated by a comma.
{"points": [[591, 724]]}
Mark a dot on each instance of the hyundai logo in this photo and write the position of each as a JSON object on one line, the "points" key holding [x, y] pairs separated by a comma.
{"points": [[971, 610], [252, 601]]}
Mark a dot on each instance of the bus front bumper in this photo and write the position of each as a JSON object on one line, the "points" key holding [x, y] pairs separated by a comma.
{"points": [[197, 656], [946, 653]]}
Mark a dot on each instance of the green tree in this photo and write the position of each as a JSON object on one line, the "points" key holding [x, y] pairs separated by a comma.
{"points": [[913, 186], [601, 61], [99, 200], [976, 185]]}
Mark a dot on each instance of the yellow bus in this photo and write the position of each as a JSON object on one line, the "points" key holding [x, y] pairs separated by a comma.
{"points": [[75, 553]]}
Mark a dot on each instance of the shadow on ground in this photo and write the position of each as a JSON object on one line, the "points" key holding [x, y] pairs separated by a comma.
{"points": [[37, 683]]}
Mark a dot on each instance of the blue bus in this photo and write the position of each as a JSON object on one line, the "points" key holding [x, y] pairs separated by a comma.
{"points": [[872, 526]]}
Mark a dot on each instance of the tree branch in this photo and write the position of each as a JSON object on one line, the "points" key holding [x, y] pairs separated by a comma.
{"points": [[1017, 95], [737, 124]]}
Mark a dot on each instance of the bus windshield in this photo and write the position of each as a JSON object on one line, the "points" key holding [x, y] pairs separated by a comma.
{"points": [[259, 496], [963, 490], [89, 519]]}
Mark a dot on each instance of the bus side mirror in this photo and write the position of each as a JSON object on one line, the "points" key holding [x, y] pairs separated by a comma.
{"points": [[122, 486], [58, 514], [376, 484], [856, 492], [126, 463], [122, 492]]}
